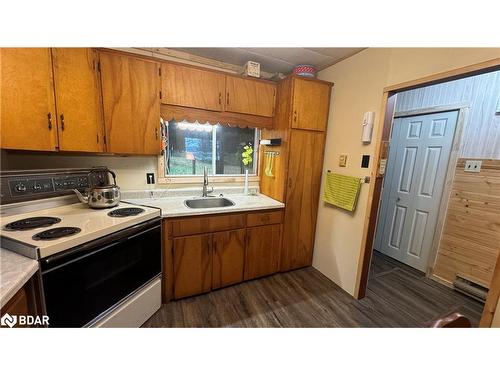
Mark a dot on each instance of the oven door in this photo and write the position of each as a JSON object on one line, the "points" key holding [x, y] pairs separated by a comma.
{"points": [[85, 282]]}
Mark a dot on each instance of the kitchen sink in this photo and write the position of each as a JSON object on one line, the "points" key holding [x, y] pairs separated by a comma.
{"points": [[208, 202]]}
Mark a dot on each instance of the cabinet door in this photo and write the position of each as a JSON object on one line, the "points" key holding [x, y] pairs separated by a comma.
{"points": [[302, 196], [262, 254], [130, 89], [191, 87], [28, 115], [192, 265], [250, 96], [78, 94], [228, 257], [310, 105]]}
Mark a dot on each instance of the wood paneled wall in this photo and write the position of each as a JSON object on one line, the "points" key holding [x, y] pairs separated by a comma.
{"points": [[481, 136], [470, 241]]}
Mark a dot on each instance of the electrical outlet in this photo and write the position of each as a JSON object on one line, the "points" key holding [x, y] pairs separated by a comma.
{"points": [[342, 160], [150, 178], [473, 166]]}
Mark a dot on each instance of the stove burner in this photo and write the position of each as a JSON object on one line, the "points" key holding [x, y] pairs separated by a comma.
{"points": [[55, 233], [32, 222], [124, 212]]}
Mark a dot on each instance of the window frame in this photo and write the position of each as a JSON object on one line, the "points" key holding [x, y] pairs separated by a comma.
{"points": [[164, 178]]}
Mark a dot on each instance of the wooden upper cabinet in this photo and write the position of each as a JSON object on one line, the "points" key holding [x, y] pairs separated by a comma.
{"points": [[28, 115], [310, 104], [78, 96], [131, 101], [302, 196], [192, 265], [250, 96], [191, 87]]}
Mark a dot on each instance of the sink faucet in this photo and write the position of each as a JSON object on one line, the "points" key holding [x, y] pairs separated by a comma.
{"points": [[205, 183]]}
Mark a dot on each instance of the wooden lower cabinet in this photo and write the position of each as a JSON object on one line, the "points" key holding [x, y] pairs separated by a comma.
{"points": [[231, 248], [262, 254], [228, 258], [26, 301], [192, 265]]}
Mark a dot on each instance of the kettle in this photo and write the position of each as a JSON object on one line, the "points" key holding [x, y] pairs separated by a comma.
{"points": [[104, 196]]}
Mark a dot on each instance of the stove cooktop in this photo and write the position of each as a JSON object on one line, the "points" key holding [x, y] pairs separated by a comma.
{"points": [[85, 225]]}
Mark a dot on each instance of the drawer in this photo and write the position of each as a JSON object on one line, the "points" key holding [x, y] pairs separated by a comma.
{"points": [[264, 218], [207, 224]]}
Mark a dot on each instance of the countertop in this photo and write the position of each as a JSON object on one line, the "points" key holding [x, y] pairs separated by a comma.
{"points": [[174, 206], [15, 270]]}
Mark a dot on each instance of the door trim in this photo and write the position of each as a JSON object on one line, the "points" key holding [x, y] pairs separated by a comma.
{"points": [[384, 123]]}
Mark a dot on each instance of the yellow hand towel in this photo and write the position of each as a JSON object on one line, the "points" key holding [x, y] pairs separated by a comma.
{"points": [[341, 191]]}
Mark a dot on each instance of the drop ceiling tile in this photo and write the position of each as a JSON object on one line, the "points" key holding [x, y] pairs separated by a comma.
{"points": [[275, 59]]}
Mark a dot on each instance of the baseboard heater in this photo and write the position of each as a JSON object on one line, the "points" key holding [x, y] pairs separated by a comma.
{"points": [[470, 288]]}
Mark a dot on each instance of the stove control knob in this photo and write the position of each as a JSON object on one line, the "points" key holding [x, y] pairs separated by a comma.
{"points": [[20, 187], [37, 186]]}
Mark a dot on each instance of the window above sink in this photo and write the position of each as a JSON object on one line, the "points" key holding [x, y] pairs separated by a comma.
{"points": [[191, 146]]}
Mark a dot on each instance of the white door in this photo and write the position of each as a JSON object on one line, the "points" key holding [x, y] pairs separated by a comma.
{"points": [[416, 170]]}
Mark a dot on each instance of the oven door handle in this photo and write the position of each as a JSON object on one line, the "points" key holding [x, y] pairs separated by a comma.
{"points": [[47, 261]]}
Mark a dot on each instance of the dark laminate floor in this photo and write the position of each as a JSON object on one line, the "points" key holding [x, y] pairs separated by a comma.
{"points": [[397, 296]]}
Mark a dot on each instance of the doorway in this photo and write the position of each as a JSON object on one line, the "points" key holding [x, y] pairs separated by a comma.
{"points": [[419, 154], [474, 90]]}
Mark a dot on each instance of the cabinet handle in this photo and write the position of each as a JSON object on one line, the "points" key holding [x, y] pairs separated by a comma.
{"points": [[220, 98], [214, 246], [49, 119], [295, 116], [227, 98], [62, 121]]}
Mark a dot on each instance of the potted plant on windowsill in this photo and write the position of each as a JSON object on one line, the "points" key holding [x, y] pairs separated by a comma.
{"points": [[246, 159]]}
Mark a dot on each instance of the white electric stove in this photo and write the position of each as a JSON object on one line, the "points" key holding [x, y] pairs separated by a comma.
{"points": [[98, 267]]}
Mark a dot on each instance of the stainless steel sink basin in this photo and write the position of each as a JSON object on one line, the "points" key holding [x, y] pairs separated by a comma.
{"points": [[208, 202]]}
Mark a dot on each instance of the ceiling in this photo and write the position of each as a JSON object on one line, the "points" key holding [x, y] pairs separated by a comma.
{"points": [[274, 60]]}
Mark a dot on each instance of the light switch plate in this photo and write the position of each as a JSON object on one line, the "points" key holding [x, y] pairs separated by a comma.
{"points": [[473, 166], [342, 160]]}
